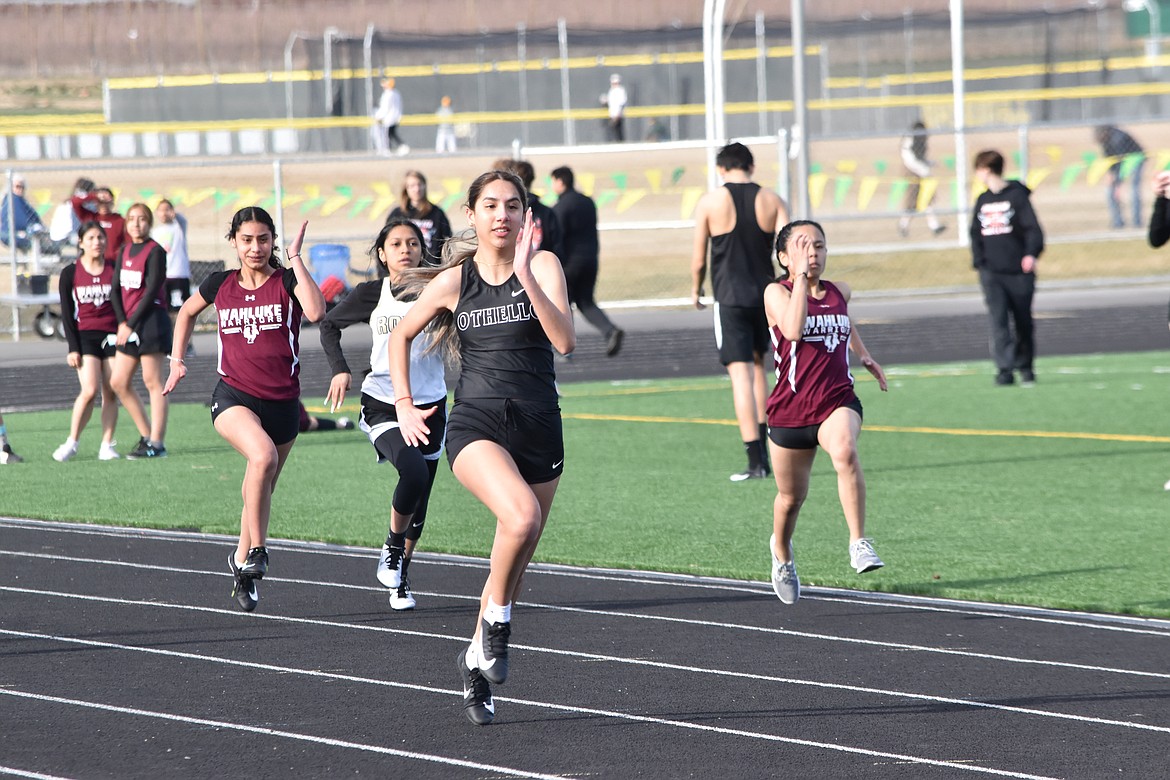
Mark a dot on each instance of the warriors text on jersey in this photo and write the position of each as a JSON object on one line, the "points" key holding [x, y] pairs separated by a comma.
{"points": [[812, 375], [259, 332], [90, 294], [505, 351]]}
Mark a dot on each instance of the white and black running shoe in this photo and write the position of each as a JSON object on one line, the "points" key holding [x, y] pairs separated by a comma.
{"points": [[390, 566], [401, 599], [256, 564], [493, 650], [244, 590], [477, 694]]}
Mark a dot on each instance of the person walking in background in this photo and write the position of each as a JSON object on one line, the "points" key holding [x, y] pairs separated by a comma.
{"points": [[24, 217], [615, 99], [255, 406], [380, 305], [415, 205], [389, 116], [7, 456], [577, 214], [813, 403], [738, 220], [445, 132], [1119, 145], [144, 331], [552, 238], [505, 302], [918, 167], [90, 326], [1006, 242], [99, 205], [170, 231]]}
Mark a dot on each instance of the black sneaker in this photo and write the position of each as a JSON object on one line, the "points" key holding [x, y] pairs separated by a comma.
{"points": [[752, 472], [1027, 377], [256, 564], [613, 342], [244, 590], [390, 566], [1004, 378], [477, 694], [493, 652], [140, 449], [7, 456]]}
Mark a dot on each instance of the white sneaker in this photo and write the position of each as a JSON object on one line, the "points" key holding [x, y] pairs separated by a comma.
{"points": [[784, 580], [390, 566], [107, 452], [862, 557], [401, 599], [65, 451]]}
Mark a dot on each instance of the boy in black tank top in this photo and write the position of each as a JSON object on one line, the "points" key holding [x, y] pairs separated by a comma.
{"points": [[504, 308], [739, 221]]}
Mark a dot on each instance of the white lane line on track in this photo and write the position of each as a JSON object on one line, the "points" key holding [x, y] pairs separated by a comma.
{"points": [[557, 707], [8, 770], [329, 741], [882, 692], [1100, 622], [901, 646]]}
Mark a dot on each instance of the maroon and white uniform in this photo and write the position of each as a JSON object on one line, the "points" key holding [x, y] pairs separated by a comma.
{"points": [[139, 280], [259, 333], [85, 302], [812, 375]]}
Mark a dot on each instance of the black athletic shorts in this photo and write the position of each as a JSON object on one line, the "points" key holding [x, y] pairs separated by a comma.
{"points": [[741, 333], [153, 336], [281, 420], [804, 438], [530, 433], [97, 343], [379, 418], [178, 291]]}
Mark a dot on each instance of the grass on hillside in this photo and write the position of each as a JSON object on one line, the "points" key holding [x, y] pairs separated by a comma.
{"points": [[1050, 495]]}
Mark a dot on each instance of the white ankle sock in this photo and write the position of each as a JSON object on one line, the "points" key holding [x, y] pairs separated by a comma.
{"points": [[497, 614]]}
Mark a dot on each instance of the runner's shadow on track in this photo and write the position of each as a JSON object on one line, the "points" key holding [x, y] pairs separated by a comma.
{"points": [[1043, 575], [626, 605]]}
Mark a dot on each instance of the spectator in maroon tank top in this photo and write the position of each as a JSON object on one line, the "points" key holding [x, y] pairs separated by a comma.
{"points": [[90, 327], [813, 403], [256, 405], [144, 330]]}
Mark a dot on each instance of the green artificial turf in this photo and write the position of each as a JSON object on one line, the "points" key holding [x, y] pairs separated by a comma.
{"points": [[1050, 495]]}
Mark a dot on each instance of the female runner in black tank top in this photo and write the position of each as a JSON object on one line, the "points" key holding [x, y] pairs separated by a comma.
{"points": [[508, 304]]}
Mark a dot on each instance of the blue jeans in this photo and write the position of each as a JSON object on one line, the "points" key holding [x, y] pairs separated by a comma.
{"points": [[1136, 201]]}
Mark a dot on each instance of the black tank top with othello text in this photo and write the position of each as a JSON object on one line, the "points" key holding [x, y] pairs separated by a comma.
{"points": [[505, 352], [741, 260]]}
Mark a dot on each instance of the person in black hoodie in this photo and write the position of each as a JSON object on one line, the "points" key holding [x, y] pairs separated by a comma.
{"points": [[1006, 242]]}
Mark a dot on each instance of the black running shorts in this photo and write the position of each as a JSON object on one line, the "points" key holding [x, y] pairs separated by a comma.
{"points": [[281, 420], [97, 343], [804, 438], [153, 336], [531, 434], [741, 333]]}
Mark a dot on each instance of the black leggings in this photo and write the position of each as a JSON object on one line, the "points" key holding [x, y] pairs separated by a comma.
{"points": [[416, 475]]}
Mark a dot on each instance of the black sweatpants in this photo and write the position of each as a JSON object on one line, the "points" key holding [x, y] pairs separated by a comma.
{"points": [[1009, 307]]}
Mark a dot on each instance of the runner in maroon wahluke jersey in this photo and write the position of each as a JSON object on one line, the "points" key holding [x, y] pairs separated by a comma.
{"points": [[813, 403], [90, 325], [144, 331], [256, 405]]}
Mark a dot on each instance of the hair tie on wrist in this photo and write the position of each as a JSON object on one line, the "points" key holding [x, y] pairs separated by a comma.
{"points": [[403, 398], [174, 359]]}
